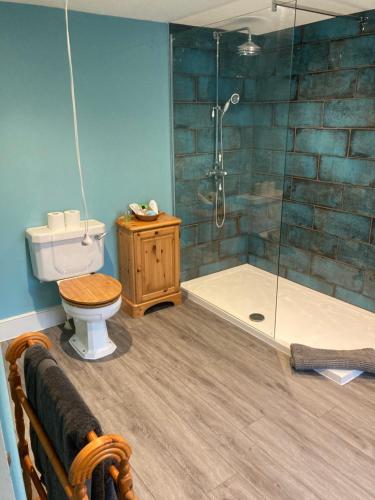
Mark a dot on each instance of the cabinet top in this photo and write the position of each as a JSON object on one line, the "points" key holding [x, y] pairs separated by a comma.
{"points": [[134, 224]]}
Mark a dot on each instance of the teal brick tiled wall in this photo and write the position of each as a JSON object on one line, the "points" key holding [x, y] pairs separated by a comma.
{"points": [[329, 192], [300, 152], [254, 145]]}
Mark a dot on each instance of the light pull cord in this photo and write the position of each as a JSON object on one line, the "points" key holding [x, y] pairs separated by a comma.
{"points": [[86, 239]]}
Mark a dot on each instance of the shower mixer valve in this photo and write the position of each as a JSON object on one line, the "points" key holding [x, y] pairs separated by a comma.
{"points": [[217, 174]]}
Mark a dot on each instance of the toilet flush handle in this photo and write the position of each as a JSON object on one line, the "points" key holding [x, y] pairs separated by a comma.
{"points": [[100, 236]]}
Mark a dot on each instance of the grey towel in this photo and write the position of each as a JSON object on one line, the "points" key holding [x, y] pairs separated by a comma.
{"points": [[309, 358], [66, 420]]}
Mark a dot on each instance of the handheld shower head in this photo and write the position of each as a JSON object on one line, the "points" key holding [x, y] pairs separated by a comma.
{"points": [[234, 99]]}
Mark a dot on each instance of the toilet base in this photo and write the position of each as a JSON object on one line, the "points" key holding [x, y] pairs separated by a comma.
{"points": [[91, 340]]}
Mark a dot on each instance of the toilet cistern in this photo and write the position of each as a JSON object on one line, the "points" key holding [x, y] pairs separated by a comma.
{"points": [[88, 298]]}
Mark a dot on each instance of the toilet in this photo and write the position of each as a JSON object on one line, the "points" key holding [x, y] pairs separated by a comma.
{"points": [[88, 297]]}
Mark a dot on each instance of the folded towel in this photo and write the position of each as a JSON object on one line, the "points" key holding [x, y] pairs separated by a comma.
{"points": [[309, 358], [66, 419]]}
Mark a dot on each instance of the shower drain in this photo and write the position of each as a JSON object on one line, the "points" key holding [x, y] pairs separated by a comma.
{"points": [[257, 317]]}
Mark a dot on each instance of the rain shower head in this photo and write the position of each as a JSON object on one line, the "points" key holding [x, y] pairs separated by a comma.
{"points": [[234, 99], [249, 48]]}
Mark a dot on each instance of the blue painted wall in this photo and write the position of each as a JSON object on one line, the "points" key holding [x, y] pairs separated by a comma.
{"points": [[122, 88], [8, 433]]}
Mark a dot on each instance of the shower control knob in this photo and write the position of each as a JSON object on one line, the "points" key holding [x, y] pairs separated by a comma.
{"points": [[217, 173]]}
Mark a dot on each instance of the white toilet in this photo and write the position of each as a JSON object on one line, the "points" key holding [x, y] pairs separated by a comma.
{"points": [[90, 299]]}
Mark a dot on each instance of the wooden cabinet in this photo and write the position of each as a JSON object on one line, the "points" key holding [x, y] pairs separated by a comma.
{"points": [[149, 262]]}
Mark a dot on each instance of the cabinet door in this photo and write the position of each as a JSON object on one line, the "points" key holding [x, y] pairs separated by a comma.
{"points": [[157, 263]]}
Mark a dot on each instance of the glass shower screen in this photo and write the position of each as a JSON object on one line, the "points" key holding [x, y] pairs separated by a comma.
{"points": [[231, 98]]}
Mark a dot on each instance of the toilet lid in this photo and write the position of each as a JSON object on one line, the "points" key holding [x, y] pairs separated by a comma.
{"points": [[92, 290]]}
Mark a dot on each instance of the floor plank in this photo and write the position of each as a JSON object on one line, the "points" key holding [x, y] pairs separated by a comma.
{"points": [[353, 424], [202, 462], [236, 488], [211, 412], [326, 464]]}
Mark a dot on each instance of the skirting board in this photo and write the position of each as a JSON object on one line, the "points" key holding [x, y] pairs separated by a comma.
{"points": [[31, 322]]}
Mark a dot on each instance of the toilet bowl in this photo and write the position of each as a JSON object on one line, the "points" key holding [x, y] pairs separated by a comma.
{"points": [[88, 297], [90, 300]]}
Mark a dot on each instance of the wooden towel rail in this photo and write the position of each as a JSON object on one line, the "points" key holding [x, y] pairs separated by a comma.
{"points": [[98, 449]]}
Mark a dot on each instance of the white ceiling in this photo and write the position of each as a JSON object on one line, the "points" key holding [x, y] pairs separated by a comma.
{"points": [[211, 12]]}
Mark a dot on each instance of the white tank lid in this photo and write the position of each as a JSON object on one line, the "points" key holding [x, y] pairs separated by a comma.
{"points": [[43, 234]]}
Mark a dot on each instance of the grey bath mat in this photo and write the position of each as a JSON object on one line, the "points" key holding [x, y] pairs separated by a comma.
{"points": [[309, 358]]}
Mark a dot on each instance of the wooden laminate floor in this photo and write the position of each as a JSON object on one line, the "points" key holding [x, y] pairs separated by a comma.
{"points": [[212, 413]]}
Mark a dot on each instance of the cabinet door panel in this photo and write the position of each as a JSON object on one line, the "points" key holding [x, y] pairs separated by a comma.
{"points": [[156, 263], [126, 264]]}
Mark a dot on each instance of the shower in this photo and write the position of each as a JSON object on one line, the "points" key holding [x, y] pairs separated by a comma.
{"points": [[249, 48], [218, 173], [281, 253], [234, 99]]}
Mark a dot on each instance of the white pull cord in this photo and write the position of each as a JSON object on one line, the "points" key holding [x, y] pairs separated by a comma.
{"points": [[86, 238]]}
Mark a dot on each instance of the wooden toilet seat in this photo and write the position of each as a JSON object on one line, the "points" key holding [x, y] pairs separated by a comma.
{"points": [[92, 290]]}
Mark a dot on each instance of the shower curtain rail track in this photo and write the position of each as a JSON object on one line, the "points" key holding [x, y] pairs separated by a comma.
{"points": [[291, 5]]}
